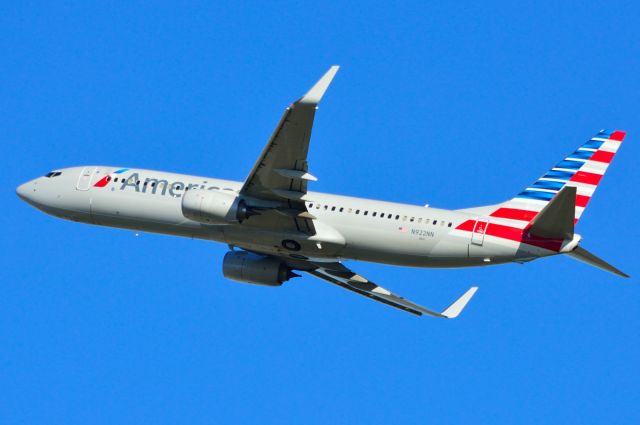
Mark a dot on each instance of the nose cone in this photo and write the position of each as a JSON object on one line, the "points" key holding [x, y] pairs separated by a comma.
{"points": [[24, 191]]}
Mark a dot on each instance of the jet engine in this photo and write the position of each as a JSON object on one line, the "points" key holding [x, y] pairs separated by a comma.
{"points": [[246, 267], [213, 207]]}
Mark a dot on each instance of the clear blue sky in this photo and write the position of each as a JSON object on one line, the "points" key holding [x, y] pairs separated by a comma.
{"points": [[455, 105]]}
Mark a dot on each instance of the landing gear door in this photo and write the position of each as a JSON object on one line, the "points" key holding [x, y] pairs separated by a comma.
{"points": [[479, 230], [84, 181]]}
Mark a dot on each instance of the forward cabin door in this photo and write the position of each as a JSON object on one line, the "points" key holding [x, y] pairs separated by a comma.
{"points": [[84, 181], [479, 230]]}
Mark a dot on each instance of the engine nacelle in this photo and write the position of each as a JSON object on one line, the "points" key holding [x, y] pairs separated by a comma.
{"points": [[213, 207], [246, 267]]}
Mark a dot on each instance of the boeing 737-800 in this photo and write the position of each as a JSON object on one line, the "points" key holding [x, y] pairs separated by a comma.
{"points": [[275, 227]]}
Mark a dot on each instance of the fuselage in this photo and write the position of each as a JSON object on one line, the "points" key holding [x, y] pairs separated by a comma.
{"points": [[346, 227]]}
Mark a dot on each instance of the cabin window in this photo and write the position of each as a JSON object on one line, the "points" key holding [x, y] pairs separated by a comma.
{"points": [[333, 208], [357, 211], [318, 206], [326, 207], [420, 220], [449, 224], [412, 219], [435, 222], [374, 214], [366, 213], [404, 218], [341, 209], [390, 215], [310, 205]]}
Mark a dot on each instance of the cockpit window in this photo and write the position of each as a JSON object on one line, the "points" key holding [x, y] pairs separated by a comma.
{"points": [[53, 174]]}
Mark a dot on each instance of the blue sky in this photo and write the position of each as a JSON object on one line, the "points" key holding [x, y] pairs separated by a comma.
{"points": [[454, 104]]}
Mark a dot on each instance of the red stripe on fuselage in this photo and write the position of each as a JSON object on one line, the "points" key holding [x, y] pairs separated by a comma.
{"points": [[514, 234], [102, 182], [514, 214]]}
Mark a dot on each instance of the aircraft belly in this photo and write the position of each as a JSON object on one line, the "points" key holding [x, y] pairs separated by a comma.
{"points": [[326, 243], [148, 213], [404, 246]]}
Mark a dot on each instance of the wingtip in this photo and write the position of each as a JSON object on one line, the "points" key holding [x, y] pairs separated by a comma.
{"points": [[314, 95], [458, 305]]}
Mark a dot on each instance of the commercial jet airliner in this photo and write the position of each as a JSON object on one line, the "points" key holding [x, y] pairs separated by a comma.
{"points": [[276, 228]]}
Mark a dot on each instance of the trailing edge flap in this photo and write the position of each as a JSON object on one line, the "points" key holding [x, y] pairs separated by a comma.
{"points": [[556, 220], [585, 256]]}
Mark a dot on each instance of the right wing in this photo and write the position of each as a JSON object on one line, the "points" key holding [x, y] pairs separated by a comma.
{"points": [[280, 175], [340, 275]]}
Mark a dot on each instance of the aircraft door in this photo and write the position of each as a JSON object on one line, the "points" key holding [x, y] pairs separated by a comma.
{"points": [[84, 181], [479, 230]]}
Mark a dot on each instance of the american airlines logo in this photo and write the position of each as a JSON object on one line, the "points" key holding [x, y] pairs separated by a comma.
{"points": [[153, 185]]}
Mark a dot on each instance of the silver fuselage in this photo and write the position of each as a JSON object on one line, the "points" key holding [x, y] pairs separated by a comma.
{"points": [[346, 227]]}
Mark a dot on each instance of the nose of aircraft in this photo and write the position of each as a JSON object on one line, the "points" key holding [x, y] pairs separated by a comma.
{"points": [[25, 190]]}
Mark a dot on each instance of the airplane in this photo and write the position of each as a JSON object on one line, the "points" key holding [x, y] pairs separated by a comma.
{"points": [[276, 228]]}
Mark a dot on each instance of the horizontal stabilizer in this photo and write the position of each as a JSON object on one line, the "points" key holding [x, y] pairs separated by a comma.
{"points": [[585, 256], [556, 220]]}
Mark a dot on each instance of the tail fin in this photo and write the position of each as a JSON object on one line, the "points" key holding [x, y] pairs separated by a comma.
{"points": [[583, 169]]}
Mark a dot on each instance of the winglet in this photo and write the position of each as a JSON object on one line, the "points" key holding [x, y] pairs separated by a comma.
{"points": [[456, 308], [316, 92]]}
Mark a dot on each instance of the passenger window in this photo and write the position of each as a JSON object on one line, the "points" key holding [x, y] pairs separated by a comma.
{"points": [[310, 205], [390, 215], [404, 218], [318, 206], [326, 207], [449, 224], [374, 214], [349, 210], [357, 211], [333, 208], [341, 209], [412, 219], [435, 222], [366, 212], [420, 220]]}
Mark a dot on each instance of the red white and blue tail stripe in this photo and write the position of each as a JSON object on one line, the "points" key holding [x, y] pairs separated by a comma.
{"points": [[583, 169]]}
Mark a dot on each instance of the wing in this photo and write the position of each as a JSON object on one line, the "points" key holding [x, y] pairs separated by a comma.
{"points": [[340, 275], [280, 175]]}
